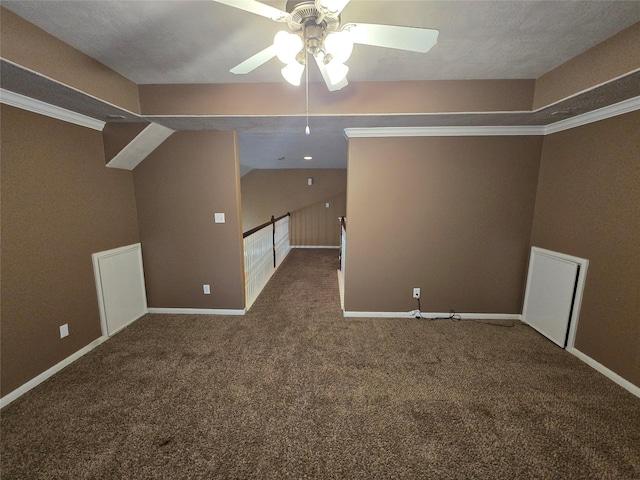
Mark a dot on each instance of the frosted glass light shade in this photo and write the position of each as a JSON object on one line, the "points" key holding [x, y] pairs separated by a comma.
{"points": [[292, 73], [287, 46], [339, 45], [337, 72]]}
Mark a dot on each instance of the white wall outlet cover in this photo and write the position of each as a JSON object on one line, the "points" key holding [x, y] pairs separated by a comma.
{"points": [[326, 204], [416, 293], [206, 289], [219, 217], [64, 330], [309, 181]]}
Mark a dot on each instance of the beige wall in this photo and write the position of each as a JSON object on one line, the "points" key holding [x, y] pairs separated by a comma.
{"points": [[25, 44], [613, 58], [276, 192], [449, 215], [359, 98], [588, 205], [179, 187], [116, 136], [59, 205], [318, 224]]}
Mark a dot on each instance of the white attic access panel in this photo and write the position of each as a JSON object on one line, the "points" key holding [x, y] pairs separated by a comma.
{"points": [[553, 295], [122, 297]]}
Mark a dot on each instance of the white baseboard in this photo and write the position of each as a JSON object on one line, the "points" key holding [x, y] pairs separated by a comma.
{"points": [[626, 384], [197, 311], [316, 246], [341, 288], [34, 382], [432, 315], [356, 314], [122, 327]]}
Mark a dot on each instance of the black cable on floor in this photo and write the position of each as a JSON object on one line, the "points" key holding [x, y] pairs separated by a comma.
{"points": [[455, 317]]}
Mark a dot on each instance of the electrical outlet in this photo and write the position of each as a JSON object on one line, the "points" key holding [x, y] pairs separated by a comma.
{"points": [[416, 293], [206, 289], [64, 330]]}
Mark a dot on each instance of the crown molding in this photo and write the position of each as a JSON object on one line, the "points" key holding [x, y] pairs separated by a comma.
{"points": [[36, 106], [482, 131], [620, 108], [626, 106]]}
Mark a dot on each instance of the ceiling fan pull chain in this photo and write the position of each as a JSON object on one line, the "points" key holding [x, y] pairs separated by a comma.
{"points": [[307, 130]]}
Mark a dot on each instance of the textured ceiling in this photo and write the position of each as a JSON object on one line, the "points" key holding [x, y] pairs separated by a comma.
{"points": [[187, 41], [199, 41]]}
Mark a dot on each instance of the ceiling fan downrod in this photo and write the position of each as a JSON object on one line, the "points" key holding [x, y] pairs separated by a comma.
{"points": [[313, 37]]}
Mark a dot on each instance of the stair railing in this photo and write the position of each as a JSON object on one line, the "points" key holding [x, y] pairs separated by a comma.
{"points": [[265, 247]]}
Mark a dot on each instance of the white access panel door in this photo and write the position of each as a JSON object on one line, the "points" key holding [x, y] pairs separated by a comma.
{"points": [[549, 295], [120, 284]]}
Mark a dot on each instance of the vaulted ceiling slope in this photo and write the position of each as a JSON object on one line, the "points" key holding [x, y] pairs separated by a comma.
{"points": [[497, 63]]}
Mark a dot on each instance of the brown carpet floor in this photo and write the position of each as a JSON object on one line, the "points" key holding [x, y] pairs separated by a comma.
{"points": [[294, 391]]}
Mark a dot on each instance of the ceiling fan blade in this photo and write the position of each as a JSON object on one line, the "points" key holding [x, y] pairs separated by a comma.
{"points": [[325, 75], [253, 62], [334, 7], [391, 36], [252, 6]]}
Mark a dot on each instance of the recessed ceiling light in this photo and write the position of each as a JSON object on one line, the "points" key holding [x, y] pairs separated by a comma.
{"points": [[308, 158]]}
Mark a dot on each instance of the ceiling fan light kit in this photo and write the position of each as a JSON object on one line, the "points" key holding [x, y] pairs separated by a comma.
{"points": [[287, 46], [292, 73], [315, 29], [339, 45]]}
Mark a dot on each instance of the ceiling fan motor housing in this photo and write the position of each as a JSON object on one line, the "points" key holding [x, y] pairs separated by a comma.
{"points": [[315, 27], [302, 11], [311, 24]]}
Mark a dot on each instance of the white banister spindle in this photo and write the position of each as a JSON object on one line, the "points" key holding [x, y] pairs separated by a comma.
{"points": [[258, 257], [343, 245], [282, 245]]}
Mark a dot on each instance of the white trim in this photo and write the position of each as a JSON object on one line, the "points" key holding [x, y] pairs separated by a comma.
{"points": [[497, 130], [626, 384], [341, 288], [358, 314], [36, 106], [484, 131], [315, 246], [197, 311], [321, 115], [620, 108], [122, 327], [140, 147], [34, 382], [477, 316], [432, 315]]}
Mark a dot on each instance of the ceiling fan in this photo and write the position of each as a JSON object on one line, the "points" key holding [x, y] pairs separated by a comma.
{"points": [[315, 29]]}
